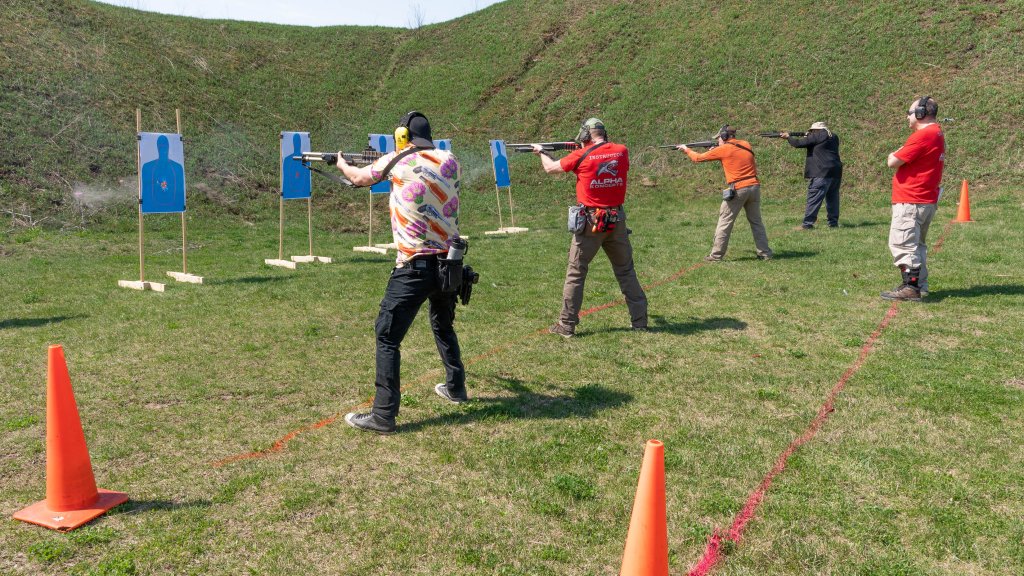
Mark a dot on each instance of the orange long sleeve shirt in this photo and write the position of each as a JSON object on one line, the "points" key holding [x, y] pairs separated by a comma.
{"points": [[739, 165]]}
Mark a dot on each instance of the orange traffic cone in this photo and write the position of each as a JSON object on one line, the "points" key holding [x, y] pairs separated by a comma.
{"points": [[963, 212], [71, 495], [647, 542]]}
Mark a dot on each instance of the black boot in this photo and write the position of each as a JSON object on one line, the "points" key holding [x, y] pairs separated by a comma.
{"points": [[908, 290]]}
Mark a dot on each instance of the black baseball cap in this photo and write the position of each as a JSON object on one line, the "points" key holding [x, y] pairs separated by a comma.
{"points": [[419, 129]]}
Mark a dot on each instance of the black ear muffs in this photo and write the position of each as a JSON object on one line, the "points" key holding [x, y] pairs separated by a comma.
{"points": [[724, 133], [921, 110], [583, 136]]}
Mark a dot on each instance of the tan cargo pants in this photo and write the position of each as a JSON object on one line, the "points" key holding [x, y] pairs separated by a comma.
{"points": [[908, 233], [747, 199], [620, 253]]}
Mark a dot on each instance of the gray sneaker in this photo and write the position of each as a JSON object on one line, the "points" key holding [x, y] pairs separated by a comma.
{"points": [[561, 330], [903, 292], [370, 422], [442, 391]]}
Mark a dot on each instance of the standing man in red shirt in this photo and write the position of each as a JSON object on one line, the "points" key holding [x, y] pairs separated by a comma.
{"points": [[600, 167], [915, 193]]}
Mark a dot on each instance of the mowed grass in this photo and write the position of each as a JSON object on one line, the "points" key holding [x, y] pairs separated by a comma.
{"points": [[919, 470]]}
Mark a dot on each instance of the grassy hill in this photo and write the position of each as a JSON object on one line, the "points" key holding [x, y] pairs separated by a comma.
{"points": [[73, 72], [918, 471]]}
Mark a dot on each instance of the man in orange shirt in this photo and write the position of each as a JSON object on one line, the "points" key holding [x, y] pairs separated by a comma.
{"points": [[744, 192], [915, 194]]}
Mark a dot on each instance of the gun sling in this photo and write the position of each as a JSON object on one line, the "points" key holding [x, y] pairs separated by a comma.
{"points": [[730, 184], [383, 175], [585, 154]]}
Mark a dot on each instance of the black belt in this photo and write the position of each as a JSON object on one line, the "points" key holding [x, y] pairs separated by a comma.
{"points": [[592, 208], [423, 262]]}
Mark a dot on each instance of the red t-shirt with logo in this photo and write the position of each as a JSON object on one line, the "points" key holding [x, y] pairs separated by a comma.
{"points": [[601, 177], [917, 181]]}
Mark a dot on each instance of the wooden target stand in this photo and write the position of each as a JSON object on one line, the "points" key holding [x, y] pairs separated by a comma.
{"points": [[291, 264], [370, 246], [502, 229], [183, 276]]}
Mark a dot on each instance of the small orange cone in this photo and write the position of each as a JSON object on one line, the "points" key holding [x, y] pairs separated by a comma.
{"points": [[71, 495], [963, 212], [646, 551]]}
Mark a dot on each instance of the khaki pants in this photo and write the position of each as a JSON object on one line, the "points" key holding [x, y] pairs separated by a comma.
{"points": [[907, 236], [749, 200], [620, 253]]}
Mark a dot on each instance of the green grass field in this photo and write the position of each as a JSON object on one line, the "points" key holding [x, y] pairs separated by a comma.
{"points": [[919, 470]]}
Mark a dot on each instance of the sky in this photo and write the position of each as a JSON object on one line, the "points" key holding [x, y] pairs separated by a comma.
{"points": [[396, 13]]}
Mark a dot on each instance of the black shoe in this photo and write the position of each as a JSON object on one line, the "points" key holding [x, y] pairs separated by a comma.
{"points": [[442, 391], [370, 422], [641, 329], [808, 226], [764, 256], [836, 225]]}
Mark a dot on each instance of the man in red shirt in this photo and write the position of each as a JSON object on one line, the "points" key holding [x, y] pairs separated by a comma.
{"points": [[915, 193], [600, 167]]}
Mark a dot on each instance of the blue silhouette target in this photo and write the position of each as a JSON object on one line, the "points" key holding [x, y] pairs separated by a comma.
{"points": [[445, 144], [162, 180], [499, 156], [295, 178], [382, 143]]}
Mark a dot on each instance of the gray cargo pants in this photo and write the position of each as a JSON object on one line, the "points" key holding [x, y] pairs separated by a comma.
{"points": [[582, 250]]}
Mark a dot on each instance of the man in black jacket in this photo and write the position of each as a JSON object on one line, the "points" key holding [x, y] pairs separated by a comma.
{"points": [[824, 171]]}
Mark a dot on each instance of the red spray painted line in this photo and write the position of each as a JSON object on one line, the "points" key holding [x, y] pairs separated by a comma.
{"points": [[283, 441], [713, 551], [942, 238], [650, 286]]}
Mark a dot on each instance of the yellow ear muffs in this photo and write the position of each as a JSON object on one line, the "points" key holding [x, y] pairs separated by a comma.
{"points": [[401, 137]]}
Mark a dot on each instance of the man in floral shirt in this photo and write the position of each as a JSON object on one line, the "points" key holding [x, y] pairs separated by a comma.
{"points": [[424, 208]]}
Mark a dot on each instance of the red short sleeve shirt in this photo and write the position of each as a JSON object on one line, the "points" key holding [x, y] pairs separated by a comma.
{"points": [[917, 181], [601, 178]]}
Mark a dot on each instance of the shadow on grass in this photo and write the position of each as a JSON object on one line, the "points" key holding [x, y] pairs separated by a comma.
{"points": [[582, 402], [863, 224], [975, 291], [660, 324], [35, 322], [140, 506], [786, 255]]}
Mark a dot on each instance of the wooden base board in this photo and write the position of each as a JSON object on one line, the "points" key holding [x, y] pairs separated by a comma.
{"points": [[282, 263], [311, 258], [141, 285], [507, 230], [373, 249], [183, 277]]}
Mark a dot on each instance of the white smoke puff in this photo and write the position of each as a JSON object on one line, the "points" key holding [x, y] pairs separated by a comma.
{"points": [[95, 196]]}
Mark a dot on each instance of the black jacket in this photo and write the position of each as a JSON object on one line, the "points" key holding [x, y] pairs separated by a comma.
{"points": [[822, 154]]}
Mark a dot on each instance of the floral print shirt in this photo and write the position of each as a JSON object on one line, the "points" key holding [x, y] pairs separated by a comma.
{"points": [[424, 201]]}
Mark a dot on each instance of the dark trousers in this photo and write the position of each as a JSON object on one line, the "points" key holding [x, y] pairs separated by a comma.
{"points": [[826, 189], [407, 289]]}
